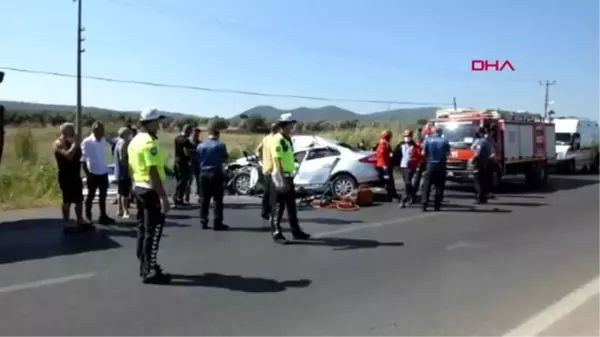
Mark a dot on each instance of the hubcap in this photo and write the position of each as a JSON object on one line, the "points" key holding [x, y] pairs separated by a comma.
{"points": [[343, 187], [242, 184]]}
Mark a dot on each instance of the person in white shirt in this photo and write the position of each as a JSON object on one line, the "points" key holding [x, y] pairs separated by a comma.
{"points": [[95, 167]]}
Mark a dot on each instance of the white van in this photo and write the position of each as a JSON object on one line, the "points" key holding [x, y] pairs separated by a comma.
{"points": [[577, 144]]}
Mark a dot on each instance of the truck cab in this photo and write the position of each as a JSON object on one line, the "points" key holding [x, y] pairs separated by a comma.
{"points": [[576, 144]]}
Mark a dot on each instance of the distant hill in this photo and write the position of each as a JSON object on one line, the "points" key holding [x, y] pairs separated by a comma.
{"points": [[329, 113]]}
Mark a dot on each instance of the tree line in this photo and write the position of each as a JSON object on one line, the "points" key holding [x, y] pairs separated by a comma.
{"points": [[247, 123]]}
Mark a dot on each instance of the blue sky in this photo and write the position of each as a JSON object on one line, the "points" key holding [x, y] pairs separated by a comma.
{"points": [[403, 50]]}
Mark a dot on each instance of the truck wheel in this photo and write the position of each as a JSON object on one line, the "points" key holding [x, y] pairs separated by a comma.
{"points": [[537, 177], [595, 166], [571, 167]]}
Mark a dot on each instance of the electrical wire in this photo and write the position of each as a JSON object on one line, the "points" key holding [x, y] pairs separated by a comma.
{"points": [[224, 91]]}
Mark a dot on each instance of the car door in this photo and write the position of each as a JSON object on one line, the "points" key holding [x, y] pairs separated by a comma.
{"points": [[316, 167]]}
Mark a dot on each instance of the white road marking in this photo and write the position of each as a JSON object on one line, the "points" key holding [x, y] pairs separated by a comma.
{"points": [[374, 225], [45, 283], [556, 311]]}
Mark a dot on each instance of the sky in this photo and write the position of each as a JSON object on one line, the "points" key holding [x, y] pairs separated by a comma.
{"points": [[390, 50]]}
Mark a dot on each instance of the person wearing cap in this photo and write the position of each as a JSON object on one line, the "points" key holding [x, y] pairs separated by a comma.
{"points": [[283, 194], [195, 169], [408, 156], [184, 150], [263, 151], [211, 155], [383, 164], [482, 155], [147, 163], [122, 172], [435, 150]]}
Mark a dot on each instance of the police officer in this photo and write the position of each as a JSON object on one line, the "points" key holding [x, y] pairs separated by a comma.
{"points": [[211, 154], [282, 180], [147, 162], [182, 165], [482, 153], [263, 151], [435, 151]]}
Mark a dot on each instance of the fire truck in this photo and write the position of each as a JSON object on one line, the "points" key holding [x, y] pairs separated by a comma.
{"points": [[524, 143]]}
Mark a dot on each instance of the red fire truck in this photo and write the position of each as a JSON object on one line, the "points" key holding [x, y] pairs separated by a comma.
{"points": [[524, 143]]}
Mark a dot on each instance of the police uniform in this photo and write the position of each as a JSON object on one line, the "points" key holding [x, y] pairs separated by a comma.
{"points": [[436, 150], [144, 152], [482, 151], [282, 149]]}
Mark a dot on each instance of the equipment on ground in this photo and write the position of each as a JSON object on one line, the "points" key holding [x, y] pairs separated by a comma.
{"points": [[523, 143]]}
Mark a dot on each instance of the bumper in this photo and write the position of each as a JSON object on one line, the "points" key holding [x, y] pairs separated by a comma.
{"points": [[460, 176]]}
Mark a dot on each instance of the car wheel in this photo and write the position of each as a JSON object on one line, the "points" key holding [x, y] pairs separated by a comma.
{"points": [[343, 184], [241, 183]]}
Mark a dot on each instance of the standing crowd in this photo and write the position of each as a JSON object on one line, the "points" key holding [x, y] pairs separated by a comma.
{"points": [[424, 158]]}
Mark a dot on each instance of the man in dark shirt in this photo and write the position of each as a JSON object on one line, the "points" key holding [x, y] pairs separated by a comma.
{"points": [[211, 155], [182, 163], [195, 170], [435, 150], [482, 153]]}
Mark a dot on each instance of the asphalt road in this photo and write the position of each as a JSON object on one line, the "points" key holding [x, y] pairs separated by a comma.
{"points": [[525, 264]]}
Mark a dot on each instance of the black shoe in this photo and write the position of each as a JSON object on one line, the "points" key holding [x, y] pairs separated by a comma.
{"points": [[300, 235], [106, 220], [265, 216], [205, 226], [279, 238], [221, 227], [403, 204], [156, 278]]}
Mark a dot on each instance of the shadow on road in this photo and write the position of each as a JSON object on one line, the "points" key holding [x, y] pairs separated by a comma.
{"points": [[237, 283], [345, 243], [43, 238], [241, 206], [473, 208], [330, 221], [518, 189]]}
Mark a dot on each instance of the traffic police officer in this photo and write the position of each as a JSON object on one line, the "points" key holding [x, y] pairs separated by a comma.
{"points": [[435, 150], [147, 163], [211, 154], [263, 151], [282, 178]]}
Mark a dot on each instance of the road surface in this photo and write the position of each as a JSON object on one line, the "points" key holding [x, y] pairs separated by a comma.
{"points": [[526, 264]]}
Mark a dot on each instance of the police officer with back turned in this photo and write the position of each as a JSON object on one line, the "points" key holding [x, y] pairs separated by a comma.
{"points": [[482, 156], [282, 180], [211, 154], [147, 163], [435, 150]]}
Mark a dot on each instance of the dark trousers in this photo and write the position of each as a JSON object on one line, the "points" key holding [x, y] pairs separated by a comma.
{"points": [[280, 201], [151, 221], [434, 175], [410, 191], [386, 175], [266, 197], [211, 187], [482, 180], [97, 183], [182, 171], [418, 176]]}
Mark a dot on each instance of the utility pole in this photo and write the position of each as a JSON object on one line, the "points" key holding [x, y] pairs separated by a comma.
{"points": [[80, 51], [547, 84], [454, 103]]}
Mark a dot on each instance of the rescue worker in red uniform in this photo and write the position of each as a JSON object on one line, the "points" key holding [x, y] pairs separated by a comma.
{"points": [[384, 166], [408, 156], [426, 132]]}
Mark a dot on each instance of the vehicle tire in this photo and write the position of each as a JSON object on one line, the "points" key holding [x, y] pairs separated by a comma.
{"points": [[537, 177], [595, 166], [496, 179], [241, 183], [343, 184]]}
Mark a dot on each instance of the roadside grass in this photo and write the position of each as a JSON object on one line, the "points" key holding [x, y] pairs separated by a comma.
{"points": [[28, 170]]}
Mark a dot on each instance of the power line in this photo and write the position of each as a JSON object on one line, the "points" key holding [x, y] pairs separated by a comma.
{"points": [[296, 42], [224, 91]]}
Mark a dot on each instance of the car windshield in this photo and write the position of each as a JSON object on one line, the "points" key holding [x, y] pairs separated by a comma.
{"points": [[563, 138], [458, 133]]}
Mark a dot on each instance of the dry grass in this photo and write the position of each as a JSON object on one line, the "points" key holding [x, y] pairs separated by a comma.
{"points": [[28, 173]]}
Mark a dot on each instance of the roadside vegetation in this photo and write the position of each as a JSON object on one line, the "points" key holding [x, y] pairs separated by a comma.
{"points": [[28, 170]]}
